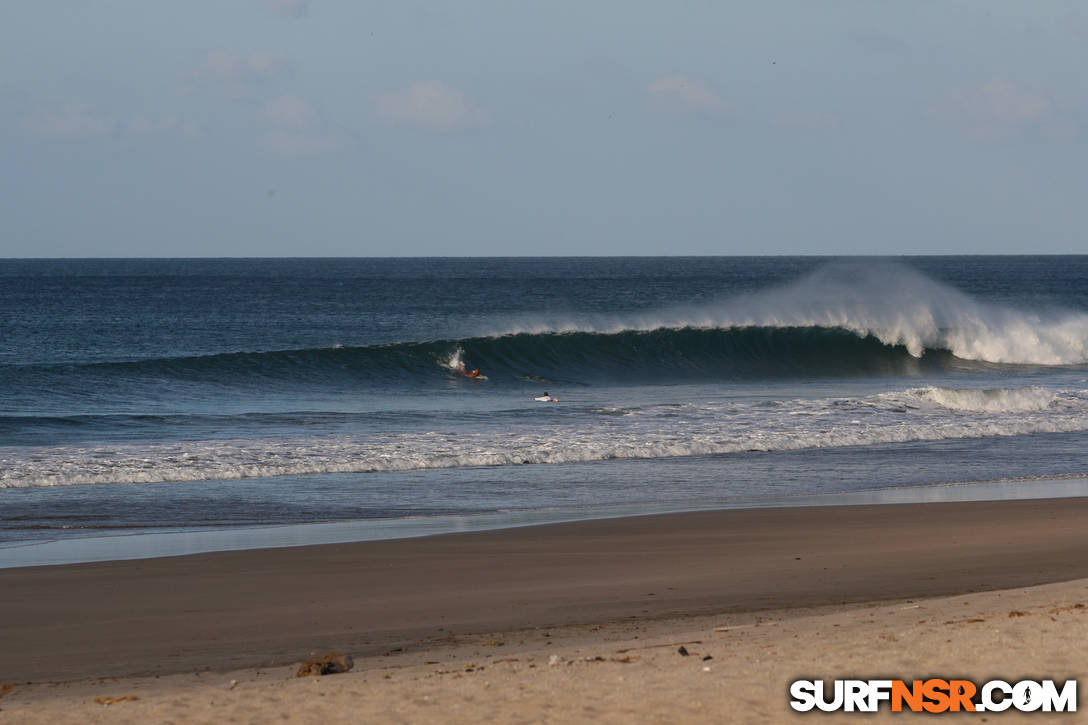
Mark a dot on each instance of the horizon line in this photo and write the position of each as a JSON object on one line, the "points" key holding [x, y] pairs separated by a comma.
{"points": [[550, 256]]}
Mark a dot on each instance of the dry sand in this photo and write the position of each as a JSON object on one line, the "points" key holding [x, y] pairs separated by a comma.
{"points": [[477, 618]]}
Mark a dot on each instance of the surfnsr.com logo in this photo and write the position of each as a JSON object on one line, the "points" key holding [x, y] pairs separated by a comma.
{"points": [[933, 695]]}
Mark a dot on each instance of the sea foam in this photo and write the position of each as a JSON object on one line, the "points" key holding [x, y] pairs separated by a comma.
{"points": [[990, 400], [587, 434]]}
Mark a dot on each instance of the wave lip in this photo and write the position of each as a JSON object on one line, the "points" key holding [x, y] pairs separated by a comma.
{"points": [[891, 302], [661, 354]]}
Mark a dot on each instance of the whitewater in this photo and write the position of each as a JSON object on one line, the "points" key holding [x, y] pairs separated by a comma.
{"points": [[891, 302], [197, 393], [923, 414]]}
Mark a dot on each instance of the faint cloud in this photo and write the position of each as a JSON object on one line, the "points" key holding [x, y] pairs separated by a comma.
{"points": [[74, 121], [297, 128], [687, 95], [290, 112], [236, 76], [997, 109], [431, 105], [289, 8]]}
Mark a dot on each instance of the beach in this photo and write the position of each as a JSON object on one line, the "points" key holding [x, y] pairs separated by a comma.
{"points": [[521, 363], [833, 592]]}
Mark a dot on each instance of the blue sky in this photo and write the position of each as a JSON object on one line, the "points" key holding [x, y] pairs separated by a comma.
{"points": [[342, 128]]}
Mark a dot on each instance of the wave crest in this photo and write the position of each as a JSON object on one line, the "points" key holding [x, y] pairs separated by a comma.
{"points": [[891, 302], [848, 319]]}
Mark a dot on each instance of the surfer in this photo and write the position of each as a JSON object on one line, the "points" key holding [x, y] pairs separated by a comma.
{"points": [[474, 373], [545, 398]]}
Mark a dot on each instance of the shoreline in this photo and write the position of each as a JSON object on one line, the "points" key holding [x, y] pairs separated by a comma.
{"points": [[147, 545], [271, 607]]}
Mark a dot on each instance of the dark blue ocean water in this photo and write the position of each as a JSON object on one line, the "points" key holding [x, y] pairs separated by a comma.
{"points": [[161, 395]]}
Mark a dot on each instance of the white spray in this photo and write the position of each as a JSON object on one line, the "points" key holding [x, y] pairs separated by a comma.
{"points": [[892, 302]]}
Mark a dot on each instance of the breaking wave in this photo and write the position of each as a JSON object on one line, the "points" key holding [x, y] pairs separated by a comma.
{"points": [[850, 319], [660, 354], [891, 303], [989, 400]]}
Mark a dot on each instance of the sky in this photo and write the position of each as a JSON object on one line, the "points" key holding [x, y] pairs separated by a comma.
{"points": [[490, 128]]}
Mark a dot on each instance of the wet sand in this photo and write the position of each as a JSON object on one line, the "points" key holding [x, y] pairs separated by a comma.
{"points": [[272, 607]]}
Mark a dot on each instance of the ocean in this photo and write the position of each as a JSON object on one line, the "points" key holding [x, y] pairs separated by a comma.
{"points": [[147, 398]]}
